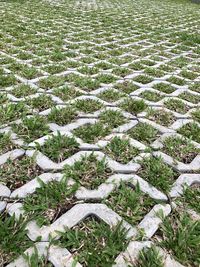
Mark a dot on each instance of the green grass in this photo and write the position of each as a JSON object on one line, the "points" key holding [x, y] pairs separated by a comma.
{"points": [[164, 87], [51, 82], [191, 130], [111, 95], [35, 260], [12, 112], [66, 93], [157, 173], [130, 203], [161, 117], [3, 98], [126, 87], [133, 106], [113, 118], [121, 150], [180, 149], [144, 133], [23, 90], [7, 80], [91, 133], [196, 115], [6, 143], [88, 105], [12, 246], [62, 116], [144, 79], [31, 128], [100, 244], [176, 105], [190, 97], [195, 87], [74, 48], [191, 197], [88, 172], [15, 173], [176, 80], [40, 103], [180, 236], [58, 147], [149, 257], [151, 96], [49, 201]]}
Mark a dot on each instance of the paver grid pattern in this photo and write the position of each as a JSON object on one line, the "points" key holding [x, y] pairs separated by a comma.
{"points": [[111, 90]]}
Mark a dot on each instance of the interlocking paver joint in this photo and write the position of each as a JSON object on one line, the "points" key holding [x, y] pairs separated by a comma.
{"points": [[99, 133]]}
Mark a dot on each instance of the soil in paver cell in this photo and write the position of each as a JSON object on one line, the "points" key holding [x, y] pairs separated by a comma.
{"points": [[98, 88]]}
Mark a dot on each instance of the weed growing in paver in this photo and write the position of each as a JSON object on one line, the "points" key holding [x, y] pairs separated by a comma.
{"points": [[164, 87], [91, 133], [12, 245], [180, 149], [66, 93], [180, 236], [12, 112], [89, 171], [157, 173], [16, 173], [6, 143], [49, 201], [111, 95], [149, 257], [176, 105], [31, 128], [144, 132], [190, 97], [121, 150], [130, 203], [191, 130], [133, 106], [100, 243], [88, 105], [62, 116], [59, 147], [113, 118], [40, 103], [161, 117]]}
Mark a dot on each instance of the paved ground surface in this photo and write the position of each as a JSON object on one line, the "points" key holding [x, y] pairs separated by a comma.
{"points": [[99, 133]]}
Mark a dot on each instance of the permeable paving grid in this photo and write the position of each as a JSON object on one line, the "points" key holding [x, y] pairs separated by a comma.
{"points": [[99, 133]]}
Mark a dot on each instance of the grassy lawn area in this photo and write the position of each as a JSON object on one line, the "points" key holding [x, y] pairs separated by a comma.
{"points": [[99, 132]]}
